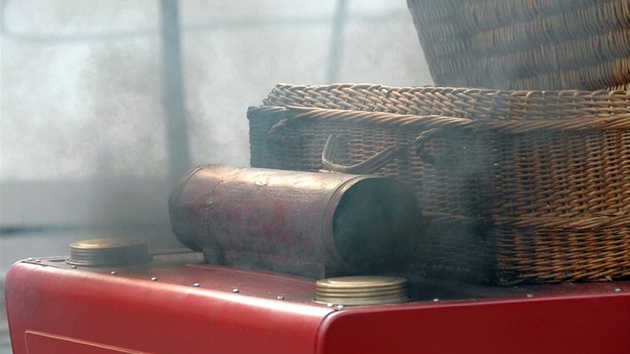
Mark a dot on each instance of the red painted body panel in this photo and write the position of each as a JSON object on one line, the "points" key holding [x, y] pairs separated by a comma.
{"points": [[53, 308], [163, 316], [596, 324], [38, 342]]}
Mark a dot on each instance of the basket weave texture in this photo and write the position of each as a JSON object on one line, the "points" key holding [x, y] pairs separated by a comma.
{"points": [[526, 44], [514, 185]]}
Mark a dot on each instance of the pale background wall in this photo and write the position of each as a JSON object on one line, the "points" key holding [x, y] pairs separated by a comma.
{"points": [[83, 136], [82, 116]]}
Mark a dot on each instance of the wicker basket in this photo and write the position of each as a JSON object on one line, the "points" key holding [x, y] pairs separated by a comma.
{"points": [[515, 185], [526, 44]]}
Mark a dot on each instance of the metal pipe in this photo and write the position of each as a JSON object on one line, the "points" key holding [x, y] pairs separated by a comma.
{"points": [[306, 223], [335, 51], [176, 125]]}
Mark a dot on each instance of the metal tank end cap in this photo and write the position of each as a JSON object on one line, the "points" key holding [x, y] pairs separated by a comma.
{"points": [[108, 252], [362, 290]]}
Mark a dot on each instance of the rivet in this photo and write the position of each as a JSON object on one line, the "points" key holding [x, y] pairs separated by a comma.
{"points": [[436, 300], [38, 260], [113, 272], [330, 305], [154, 278], [530, 295], [340, 307], [30, 259], [235, 291], [280, 297], [617, 290], [196, 285], [73, 267]]}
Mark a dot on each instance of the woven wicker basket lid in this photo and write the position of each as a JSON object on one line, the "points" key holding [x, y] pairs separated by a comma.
{"points": [[524, 44]]}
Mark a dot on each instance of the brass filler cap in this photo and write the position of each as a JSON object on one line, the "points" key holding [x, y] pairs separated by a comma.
{"points": [[108, 252], [362, 290]]}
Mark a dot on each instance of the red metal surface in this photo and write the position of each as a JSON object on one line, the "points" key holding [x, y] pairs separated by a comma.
{"points": [[53, 308], [569, 324], [169, 315], [38, 342]]}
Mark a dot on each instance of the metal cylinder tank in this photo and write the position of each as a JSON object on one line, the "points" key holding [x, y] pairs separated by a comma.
{"points": [[306, 223]]}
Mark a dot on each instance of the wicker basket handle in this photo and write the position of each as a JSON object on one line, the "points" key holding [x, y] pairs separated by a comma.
{"points": [[370, 165], [275, 136], [378, 160], [421, 140]]}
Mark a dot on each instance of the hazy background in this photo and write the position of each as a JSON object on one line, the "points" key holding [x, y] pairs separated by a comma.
{"points": [[83, 133], [83, 148]]}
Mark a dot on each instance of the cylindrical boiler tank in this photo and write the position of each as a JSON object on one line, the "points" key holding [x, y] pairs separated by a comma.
{"points": [[306, 223]]}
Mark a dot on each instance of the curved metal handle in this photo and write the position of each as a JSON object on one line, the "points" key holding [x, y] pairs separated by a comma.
{"points": [[370, 165]]}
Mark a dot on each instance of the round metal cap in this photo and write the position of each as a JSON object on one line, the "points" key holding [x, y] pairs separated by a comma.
{"points": [[108, 252], [362, 290]]}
